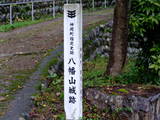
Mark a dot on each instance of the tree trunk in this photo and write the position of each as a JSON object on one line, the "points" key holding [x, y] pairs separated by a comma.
{"points": [[118, 50]]}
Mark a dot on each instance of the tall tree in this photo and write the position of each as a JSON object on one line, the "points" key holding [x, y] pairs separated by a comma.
{"points": [[118, 50]]}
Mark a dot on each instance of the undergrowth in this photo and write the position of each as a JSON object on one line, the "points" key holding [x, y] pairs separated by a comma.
{"points": [[49, 101]]}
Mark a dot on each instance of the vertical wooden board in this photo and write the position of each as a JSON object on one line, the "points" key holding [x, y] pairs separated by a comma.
{"points": [[73, 61]]}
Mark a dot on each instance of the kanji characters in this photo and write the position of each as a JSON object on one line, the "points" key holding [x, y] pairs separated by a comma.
{"points": [[71, 24], [72, 81], [72, 90], [71, 70], [72, 99], [71, 60], [71, 28], [72, 38]]}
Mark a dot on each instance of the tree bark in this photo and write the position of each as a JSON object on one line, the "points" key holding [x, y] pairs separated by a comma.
{"points": [[118, 50]]}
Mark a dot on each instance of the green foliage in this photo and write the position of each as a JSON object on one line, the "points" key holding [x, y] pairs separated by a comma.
{"points": [[144, 25], [8, 27], [144, 15], [52, 98], [61, 117], [49, 64], [49, 100], [94, 73], [123, 90], [129, 75], [155, 65]]}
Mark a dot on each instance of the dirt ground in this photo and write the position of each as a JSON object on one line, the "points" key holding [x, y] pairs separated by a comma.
{"points": [[22, 49]]}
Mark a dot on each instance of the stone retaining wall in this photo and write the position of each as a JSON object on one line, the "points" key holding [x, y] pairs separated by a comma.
{"points": [[139, 107]]}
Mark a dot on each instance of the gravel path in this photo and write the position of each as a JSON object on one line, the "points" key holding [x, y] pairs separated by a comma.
{"points": [[16, 55]]}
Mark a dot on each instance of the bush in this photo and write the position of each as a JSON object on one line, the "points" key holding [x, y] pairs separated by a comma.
{"points": [[144, 28], [155, 65]]}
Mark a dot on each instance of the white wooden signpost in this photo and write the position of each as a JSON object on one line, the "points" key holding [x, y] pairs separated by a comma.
{"points": [[73, 61]]}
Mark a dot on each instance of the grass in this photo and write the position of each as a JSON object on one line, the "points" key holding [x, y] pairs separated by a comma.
{"points": [[8, 27], [45, 93], [49, 64], [18, 24], [2, 41], [94, 72], [52, 98], [2, 107], [49, 101], [15, 84]]}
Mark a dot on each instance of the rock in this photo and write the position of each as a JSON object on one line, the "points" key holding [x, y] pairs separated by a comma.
{"points": [[51, 71], [26, 116], [57, 67], [102, 26], [133, 44], [91, 36], [21, 118], [141, 107], [133, 50], [2, 98], [109, 24], [97, 30], [58, 94], [107, 34]]}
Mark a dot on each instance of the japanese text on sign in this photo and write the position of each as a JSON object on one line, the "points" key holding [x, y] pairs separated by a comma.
{"points": [[73, 61]]}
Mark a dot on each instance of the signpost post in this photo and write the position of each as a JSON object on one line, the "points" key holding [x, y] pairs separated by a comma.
{"points": [[73, 61], [54, 11], [32, 11], [11, 14], [93, 6]]}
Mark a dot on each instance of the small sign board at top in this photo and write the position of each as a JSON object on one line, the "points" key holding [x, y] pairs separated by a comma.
{"points": [[73, 61]]}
